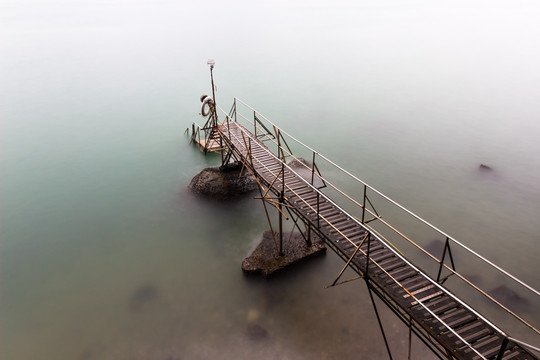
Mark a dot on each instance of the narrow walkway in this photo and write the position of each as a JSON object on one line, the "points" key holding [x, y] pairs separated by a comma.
{"points": [[436, 316]]}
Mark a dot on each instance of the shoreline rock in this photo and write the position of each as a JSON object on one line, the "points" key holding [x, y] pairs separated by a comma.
{"points": [[223, 183]]}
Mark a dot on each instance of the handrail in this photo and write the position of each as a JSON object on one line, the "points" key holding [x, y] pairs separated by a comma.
{"points": [[401, 207], [258, 117]]}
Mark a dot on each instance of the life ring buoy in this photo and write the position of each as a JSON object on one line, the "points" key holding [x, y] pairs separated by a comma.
{"points": [[207, 105]]}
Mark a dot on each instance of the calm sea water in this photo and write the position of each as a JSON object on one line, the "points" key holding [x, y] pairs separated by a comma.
{"points": [[105, 255]]}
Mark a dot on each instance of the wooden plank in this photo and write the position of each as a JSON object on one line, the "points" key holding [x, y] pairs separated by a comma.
{"points": [[415, 286], [350, 232], [381, 255], [340, 222], [337, 217], [328, 209], [343, 226], [488, 347], [402, 275], [456, 321], [446, 304], [418, 279], [311, 198]]}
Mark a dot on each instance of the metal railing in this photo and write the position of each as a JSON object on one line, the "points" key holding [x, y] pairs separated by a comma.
{"points": [[267, 131], [195, 136]]}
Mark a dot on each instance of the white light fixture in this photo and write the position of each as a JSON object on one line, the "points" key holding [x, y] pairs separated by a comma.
{"points": [[211, 62]]}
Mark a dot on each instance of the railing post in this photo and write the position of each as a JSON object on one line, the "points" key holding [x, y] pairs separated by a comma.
{"points": [[313, 168], [442, 260], [278, 144], [281, 200], [250, 154], [367, 254], [318, 213], [364, 204], [503, 347], [229, 126]]}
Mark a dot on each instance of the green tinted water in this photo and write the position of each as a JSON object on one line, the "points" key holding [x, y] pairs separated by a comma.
{"points": [[95, 99]]}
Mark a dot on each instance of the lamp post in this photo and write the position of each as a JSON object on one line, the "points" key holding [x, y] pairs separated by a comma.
{"points": [[211, 63]]}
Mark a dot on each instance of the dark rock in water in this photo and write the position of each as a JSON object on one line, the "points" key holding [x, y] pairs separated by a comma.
{"points": [[142, 297], [223, 183], [256, 331], [265, 258], [509, 298], [484, 167]]}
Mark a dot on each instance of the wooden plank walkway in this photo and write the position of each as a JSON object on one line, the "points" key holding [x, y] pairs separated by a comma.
{"points": [[453, 328]]}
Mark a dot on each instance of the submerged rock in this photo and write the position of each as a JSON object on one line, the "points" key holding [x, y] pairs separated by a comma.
{"points": [[509, 298], [224, 183], [484, 167], [265, 258], [142, 297]]}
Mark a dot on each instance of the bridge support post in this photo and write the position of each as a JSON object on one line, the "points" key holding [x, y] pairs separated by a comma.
{"points": [[280, 223], [378, 319], [410, 337]]}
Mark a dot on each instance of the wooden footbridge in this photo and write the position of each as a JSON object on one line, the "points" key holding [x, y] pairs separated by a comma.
{"points": [[364, 239]]}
